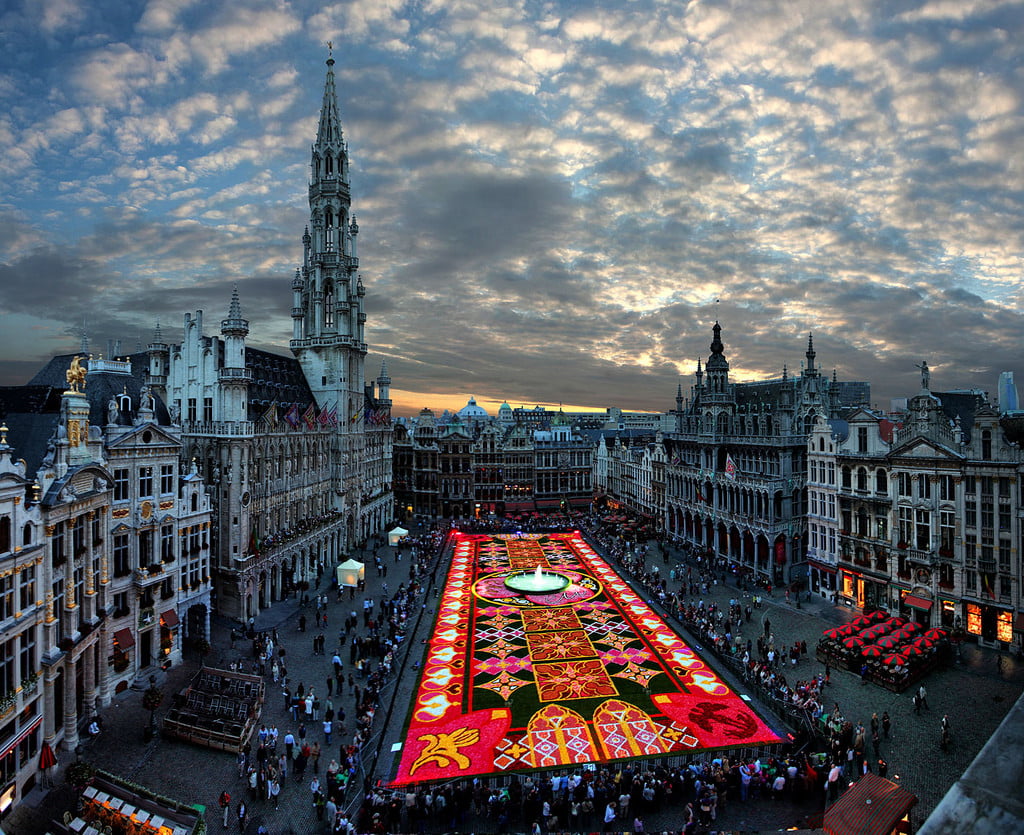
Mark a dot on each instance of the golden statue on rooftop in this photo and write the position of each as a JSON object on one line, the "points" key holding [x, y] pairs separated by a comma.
{"points": [[75, 376]]}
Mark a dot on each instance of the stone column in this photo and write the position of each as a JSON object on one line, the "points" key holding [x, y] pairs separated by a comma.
{"points": [[49, 705], [70, 708], [88, 658]]}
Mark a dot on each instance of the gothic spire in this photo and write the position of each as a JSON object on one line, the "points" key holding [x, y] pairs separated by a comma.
{"points": [[328, 133], [811, 370]]}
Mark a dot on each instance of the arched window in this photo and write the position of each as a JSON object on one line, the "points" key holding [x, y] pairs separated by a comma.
{"points": [[329, 308], [881, 482], [862, 479], [329, 229], [26, 535], [329, 165], [986, 445]]}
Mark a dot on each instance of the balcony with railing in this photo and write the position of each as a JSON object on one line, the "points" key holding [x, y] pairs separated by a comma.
{"points": [[218, 428], [234, 375]]}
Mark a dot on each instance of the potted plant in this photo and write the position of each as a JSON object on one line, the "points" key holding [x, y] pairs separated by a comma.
{"points": [[79, 774]]}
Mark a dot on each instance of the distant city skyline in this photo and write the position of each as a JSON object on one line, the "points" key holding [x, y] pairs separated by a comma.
{"points": [[555, 201]]}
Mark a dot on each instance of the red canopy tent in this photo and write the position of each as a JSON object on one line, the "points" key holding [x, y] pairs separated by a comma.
{"points": [[871, 806]]}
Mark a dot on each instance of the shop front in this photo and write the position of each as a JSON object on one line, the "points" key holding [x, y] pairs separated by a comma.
{"points": [[862, 591], [990, 625]]}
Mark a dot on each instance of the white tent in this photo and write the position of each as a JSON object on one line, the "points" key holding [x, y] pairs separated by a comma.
{"points": [[395, 536], [350, 573]]}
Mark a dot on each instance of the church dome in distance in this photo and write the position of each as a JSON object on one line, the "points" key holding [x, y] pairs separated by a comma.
{"points": [[471, 411]]}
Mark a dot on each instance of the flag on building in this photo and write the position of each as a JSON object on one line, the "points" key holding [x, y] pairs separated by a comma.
{"points": [[700, 496], [309, 416], [254, 540], [730, 467], [333, 416], [324, 417], [357, 415], [292, 416], [270, 416]]}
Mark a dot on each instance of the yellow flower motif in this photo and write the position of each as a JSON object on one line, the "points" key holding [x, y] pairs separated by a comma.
{"points": [[443, 749]]}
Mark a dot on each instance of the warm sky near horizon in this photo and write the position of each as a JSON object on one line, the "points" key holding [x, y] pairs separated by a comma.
{"points": [[556, 200]]}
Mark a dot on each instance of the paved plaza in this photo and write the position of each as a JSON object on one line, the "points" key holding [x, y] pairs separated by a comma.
{"points": [[976, 694]]}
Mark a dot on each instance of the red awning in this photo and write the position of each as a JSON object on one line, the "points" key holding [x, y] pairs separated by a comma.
{"points": [[518, 507], [871, 806], [124, 639], [542, 503], [918, 602], [169, 618]]}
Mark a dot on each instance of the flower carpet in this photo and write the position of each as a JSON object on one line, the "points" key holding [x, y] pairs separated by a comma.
{"points": [[589, 673]]}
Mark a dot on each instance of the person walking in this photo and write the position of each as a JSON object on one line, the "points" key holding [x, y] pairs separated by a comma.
{"points": [[922, 694], [944, 734], [886, 724], [243, 816], [225, 804], [274, 790]]}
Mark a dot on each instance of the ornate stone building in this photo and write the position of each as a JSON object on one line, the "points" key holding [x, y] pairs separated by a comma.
{"points": [[484, 466], [735, 478], [105, 550], [297, 451]]}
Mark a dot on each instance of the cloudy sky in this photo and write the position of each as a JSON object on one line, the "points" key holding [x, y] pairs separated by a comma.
{"points": [[556, 200]]}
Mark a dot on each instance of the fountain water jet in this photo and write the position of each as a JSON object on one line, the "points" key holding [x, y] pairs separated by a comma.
{"points": [[536, 582]]}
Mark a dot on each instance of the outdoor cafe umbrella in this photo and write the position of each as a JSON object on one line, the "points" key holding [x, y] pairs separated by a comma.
{"points": [[936, 634], [846, 629], [922, 641], [894, 659], [895, 623], [878, 615], [861, 620], [888, 642], [913, 649], [47, 760], [853, 642], [833, 633], [913, 626], [873, 651]]}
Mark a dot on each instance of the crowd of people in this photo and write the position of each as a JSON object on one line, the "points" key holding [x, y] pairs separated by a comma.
{"points": [[359, 661]]}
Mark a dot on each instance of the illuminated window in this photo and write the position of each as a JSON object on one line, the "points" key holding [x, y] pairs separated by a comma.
{"points": [[973, 618], [1004, 626]]}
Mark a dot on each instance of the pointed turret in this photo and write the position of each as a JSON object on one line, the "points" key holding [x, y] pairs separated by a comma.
{"points": [[234, 376], [810, 371]]}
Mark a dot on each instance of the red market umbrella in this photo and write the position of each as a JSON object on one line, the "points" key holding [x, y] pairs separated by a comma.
{"points": [[895, 622], [846, 629], [911, 650], [878, 615], [853, 642], [936, 634], [922, 641], [47, 759], [913, 626], [888, 642], [894, 660], [833, 633], [872, 651]]}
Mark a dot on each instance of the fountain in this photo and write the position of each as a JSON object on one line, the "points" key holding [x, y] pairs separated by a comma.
{"points": [[536, 582]]}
